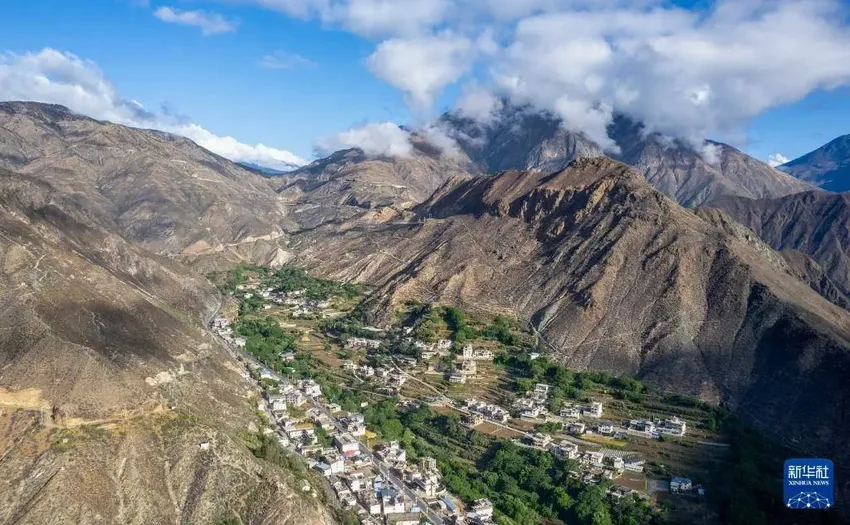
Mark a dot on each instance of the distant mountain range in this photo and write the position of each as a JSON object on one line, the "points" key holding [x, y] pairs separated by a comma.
{"points": [[652, 267], [827, 167], [520, 138], [264, 170]]}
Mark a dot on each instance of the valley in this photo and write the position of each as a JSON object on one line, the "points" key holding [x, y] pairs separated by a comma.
{"points": [[518, 331], [400, 386]]}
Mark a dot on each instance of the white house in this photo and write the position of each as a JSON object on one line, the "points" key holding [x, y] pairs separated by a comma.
{"points": [[468, 352], [595, 458], [570, 412], [592, 410], [673, 426], [347, 445], [294, 398], [576, 428], [566, 449], [541, 389], [482, 508], [680, 484], [633, 463]]}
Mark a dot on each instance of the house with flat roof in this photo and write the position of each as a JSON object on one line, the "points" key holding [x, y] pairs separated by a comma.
{"points": [[680, 484]]}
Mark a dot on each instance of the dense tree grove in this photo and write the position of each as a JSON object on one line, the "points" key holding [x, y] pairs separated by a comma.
{"points": [[264, 338], [527, 486]]}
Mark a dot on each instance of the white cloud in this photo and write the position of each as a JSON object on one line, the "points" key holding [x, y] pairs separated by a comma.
{"points": [[777, 159], [62, 78], [440, 138], [478, 104], [689, 73], [209, 23], [422, 67], [385, 139], [388, 17], [284, 60]]}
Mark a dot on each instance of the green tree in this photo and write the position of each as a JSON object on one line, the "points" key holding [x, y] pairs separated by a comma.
{"points": [[591, 508]]}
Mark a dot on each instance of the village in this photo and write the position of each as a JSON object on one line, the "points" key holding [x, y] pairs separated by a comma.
{"points": [[376, 481]]}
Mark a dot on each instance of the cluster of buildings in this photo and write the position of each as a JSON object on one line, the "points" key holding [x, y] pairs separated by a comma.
{"points": [[671, 426], [592, 410], [486, 411], [466, 367], [222, 327], [362, 343], [351, 468], [297, 301], [533, 404], [429, 350]]}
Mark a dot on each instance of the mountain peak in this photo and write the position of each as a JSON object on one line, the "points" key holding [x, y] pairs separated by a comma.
{"points": [[510, 192], [827, 166], [522, 138]]}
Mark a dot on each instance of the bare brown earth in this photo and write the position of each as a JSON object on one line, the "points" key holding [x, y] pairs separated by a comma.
{"points": [[350, 179], [521, 138], [811, 229], [108, 383], [617, 277], [159, 191]]}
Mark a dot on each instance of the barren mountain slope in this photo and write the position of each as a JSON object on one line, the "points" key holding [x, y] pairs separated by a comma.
{"points": [[828, 166], [108, 386], [618, 277], [692, 177], [160, 191], [814, 223], [519, 138], [350, 178]]}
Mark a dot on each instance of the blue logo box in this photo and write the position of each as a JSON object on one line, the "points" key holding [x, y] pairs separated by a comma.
{"points": [[809, 484]]}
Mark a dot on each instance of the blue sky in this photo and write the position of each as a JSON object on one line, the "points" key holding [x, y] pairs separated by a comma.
{"points": [[216, 81]]}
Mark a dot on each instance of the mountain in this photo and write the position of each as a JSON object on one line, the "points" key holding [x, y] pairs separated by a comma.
{"points": [[519, 138], [693, 178], [108, 380], [108, 383], [350, 178], [522, 138], [827, 167], [615, 276], [264, 170], [160, 191], [816, 224]]}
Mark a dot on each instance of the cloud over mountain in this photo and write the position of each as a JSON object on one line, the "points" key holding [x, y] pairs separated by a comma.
{"points": [[689, 73], [63, 78]]}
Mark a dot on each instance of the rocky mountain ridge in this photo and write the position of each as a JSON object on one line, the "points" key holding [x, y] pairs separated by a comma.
{"points": [[159, 191], [814, 224], [523, 138], [108, 382], [828, 167], [616, 277]]}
